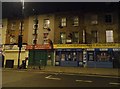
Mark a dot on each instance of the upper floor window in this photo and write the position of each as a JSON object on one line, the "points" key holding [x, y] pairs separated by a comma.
{"points": [[63, 37], [109, 36], [22, 26], [63, 22], [76, 21], [94, 19], [108, 18], [94, 35], [13, 26], [12, 39], [75, 38], [46, 23]]}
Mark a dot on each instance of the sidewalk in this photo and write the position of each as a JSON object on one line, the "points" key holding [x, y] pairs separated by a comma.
{"points": [[77, 70], [80, 70]]}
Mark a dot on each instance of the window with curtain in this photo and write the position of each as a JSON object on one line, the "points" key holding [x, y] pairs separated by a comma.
{"points": [[109, 36]]}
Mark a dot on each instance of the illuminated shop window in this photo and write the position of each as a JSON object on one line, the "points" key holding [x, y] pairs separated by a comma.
{"points": [[63, 57], [91, 56], [103, 56]]}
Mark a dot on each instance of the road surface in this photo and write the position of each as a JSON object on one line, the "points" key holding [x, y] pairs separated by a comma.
{"points": [[22, 78]]}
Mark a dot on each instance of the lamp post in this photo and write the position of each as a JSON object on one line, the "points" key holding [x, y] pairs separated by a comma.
{"points": [[20, 34]]}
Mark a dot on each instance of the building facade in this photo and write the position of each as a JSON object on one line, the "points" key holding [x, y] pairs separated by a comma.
{"points": [[86, 37]]}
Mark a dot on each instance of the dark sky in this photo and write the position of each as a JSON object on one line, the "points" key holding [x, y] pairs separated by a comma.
{"points": [[13, 9]]}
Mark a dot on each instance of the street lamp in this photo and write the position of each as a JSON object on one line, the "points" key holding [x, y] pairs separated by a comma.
{"points": [[20, 35]]}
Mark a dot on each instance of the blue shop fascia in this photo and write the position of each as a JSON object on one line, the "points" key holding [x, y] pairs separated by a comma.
{"points": [[82, 55]]}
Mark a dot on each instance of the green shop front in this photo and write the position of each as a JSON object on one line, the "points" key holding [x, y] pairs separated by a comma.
{"points": [[40, 55]]}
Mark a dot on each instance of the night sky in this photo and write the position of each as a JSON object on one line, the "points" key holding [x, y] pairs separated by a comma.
{"points": [[14, 9]]}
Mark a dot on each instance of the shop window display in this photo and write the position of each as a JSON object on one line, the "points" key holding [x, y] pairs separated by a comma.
{"points": [[103, 56], [91, 56], [71, 56], [62, 57]]}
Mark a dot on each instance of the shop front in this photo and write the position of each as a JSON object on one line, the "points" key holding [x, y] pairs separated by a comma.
{"points": [[68, 57], [87, 55], [40, 55], [100, 58]]}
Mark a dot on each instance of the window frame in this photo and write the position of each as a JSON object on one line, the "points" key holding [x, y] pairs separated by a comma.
{"points": [[94, 34], [46, 23], [106, 19], [94, 19], [64, 22], [62, 39], [109, 38], [75, 38], [23, 26], [75, 21]]}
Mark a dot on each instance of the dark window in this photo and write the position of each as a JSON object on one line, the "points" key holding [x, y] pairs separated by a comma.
{"points": [[94, 36], [108, 18], [75, 38]]}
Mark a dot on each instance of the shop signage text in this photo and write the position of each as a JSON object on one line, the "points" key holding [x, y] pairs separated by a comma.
{"points": [[86, 45]]}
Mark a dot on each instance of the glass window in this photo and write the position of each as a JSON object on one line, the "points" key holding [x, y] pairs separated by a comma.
{"points": [[63, 37], [103, 56], [63, 56], [75, 21], [94, 19], [13, 26], [91, 56], [46, 23], [108, 18], [75, 37], [12, 39], [57, 57], [94, 35], [63, 22], [22, 26], [109, 36], [80, 55]]}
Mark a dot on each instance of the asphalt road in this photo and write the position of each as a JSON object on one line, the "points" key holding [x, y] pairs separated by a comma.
{"points": [[20, 78]]}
